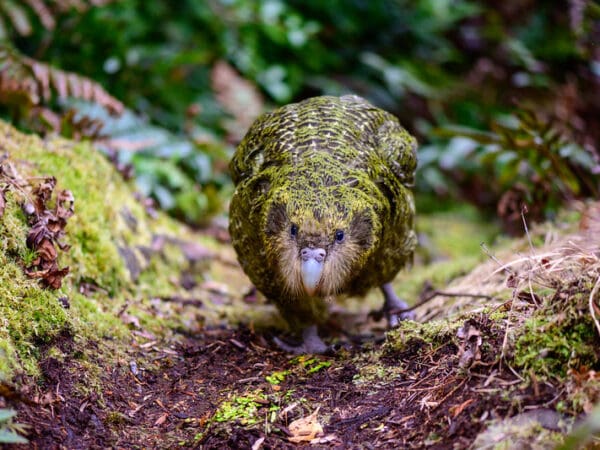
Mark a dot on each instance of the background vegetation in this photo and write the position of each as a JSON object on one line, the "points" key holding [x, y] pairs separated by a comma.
{"points": [[503, 96]]}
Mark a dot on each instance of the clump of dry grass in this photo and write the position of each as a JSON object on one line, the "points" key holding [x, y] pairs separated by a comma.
{"points": [[525, 275]]}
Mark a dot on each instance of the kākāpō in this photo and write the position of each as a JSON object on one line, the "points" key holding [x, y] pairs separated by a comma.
{"points": [[323, 207]]}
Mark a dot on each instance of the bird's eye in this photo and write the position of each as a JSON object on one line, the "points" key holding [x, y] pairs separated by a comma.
{"points": [[339, 236], [294, 230]]}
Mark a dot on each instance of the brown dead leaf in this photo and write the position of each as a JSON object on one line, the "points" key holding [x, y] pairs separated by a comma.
{"points": [[161, 419], [42, 194], [38, 232], [470, 347], [47, 227], [195, 252], [65, 204], [55, 277], [239, 97], [128, 319], [305, 429], [10, 174], [258, 443], [46, 254]]}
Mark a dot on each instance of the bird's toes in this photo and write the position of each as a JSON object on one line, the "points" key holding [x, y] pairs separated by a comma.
{"points": [[392, 309], [308, 346], [394, 319]]}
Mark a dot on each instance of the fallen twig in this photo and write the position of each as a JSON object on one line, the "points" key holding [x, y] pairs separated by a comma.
{"points": [[437, 293]]}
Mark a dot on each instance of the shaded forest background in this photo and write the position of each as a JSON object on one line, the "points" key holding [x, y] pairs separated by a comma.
{"points": [[503, 96]]}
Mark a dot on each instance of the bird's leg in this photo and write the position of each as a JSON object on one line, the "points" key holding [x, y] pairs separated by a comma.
{"points": [[391, 303], [311, 343]]}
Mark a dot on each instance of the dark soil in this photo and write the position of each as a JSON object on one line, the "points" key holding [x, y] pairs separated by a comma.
{"points": [[166, 393]]}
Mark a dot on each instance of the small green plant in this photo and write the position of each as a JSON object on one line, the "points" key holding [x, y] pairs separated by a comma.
{"points": [[10, 431], [242, 408], [310, 364], [277, 377], [525, 159]]}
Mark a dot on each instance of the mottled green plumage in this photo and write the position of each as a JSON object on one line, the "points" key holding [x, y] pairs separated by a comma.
{"points": [[323, 165]]}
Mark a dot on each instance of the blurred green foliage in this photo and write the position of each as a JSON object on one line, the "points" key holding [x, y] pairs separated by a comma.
{"points": [[467, 67], [10, 432]]}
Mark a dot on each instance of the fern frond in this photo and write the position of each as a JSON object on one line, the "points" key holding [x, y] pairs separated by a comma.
{"points": [[19, 14], [24, 78], [43, 12]]}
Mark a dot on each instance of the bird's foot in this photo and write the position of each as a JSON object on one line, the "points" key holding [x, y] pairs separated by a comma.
{"points": [[311, 343], [392, 304]]}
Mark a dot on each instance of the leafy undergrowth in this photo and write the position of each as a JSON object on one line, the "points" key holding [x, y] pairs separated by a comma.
{"points": [[154, 339]]}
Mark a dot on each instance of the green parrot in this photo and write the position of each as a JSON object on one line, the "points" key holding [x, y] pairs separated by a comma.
{"points": [[322, 207]]}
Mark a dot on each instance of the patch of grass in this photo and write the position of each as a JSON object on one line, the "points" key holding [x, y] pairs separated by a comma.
{"points": [[454, 233], [372, 372], [116, 418]]}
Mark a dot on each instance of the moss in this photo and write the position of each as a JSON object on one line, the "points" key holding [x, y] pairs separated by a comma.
{"points": [[107, 218], [510, 434], [277, 377], [372, 372], [116, 418], [29, 314], [455, 233], [551, 345], [242, 408], [432, 333], [310, 364]]}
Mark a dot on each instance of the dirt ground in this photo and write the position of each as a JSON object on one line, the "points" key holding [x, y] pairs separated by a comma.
{"points": [[165, 394]]}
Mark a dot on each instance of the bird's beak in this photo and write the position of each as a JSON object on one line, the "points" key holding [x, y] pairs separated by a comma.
{"points": [[312, 268]]}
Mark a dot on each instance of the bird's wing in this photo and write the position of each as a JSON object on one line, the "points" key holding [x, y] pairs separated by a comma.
{"points": [[399, 150], [249, 154]]}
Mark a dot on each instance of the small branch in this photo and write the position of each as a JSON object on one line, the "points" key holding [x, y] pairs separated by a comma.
{"points": [[523, 212], [362, 418], [437, 293], [183, 301]]}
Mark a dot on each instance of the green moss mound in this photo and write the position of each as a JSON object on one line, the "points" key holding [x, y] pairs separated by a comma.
{"points": [[107, 236]]}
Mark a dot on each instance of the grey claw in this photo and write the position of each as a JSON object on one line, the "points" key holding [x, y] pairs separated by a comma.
{"points": [[311, 344], [393, 303]]}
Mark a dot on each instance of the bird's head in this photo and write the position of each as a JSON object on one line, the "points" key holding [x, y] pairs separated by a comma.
{"points": [[318, 245]]}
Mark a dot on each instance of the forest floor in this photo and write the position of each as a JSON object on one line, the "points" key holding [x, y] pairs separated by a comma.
{"points": [[431, 403], [155, 338], [438, 384]]}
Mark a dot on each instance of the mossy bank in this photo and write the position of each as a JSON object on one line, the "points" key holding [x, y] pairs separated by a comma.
{"points": [[119, 258]]}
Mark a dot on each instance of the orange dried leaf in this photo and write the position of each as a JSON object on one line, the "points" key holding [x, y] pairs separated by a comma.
{"points": [[305, 429], [161, 419], [456, 410]]}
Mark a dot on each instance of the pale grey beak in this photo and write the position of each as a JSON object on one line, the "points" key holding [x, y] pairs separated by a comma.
{"points": [[312, 268]]}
